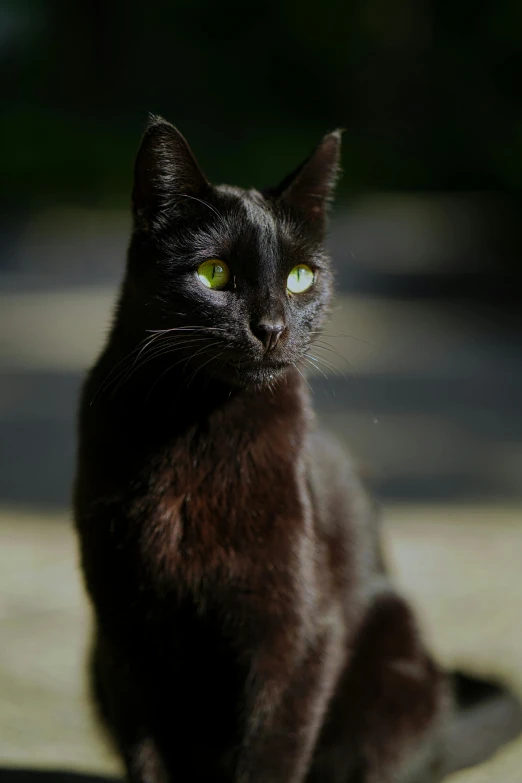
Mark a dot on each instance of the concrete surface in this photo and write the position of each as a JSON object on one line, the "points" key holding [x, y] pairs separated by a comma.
{"points": [[461, 565]]}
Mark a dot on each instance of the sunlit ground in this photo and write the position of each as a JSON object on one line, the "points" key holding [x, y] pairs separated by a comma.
{"points": [[460, 565]]}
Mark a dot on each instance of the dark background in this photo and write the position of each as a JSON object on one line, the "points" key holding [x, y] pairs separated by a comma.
{"points": [[426, 237], [429, 92]]}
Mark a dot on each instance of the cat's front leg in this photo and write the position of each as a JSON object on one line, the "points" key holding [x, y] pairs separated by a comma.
{"points": [[122, 714], [286, 714]]}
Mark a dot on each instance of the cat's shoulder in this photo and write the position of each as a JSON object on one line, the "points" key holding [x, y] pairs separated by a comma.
{"points": [[328, 457], [334, 473]]}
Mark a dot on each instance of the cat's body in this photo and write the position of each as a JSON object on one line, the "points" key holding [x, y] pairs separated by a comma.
{"points": [[246, 629]]}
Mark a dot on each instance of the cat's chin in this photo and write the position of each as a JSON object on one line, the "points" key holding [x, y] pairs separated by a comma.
{"points": [[255, 375]]}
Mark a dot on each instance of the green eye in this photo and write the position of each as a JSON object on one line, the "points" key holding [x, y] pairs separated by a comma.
{"points": [[300, 279], [213, 273]]}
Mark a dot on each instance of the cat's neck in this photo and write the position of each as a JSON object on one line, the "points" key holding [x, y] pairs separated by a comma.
{"points": [[160, 394]]}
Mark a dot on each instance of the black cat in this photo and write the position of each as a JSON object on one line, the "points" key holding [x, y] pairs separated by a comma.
{"points": [[246, 630]]}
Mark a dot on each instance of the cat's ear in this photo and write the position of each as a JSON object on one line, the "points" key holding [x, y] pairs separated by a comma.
{"points": [[309, 189], [166, 173]]}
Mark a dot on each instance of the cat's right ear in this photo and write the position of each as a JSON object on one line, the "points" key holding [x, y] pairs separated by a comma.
{"points": [[309, 189], [166, 174]]}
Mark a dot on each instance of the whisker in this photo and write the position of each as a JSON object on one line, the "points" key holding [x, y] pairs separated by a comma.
{"points": [[315, 366], [171, 367], [198, 369], [170, 347], [105, 382], [303, 377], [317, 343], [340, 334], [328, 364], [203, 329]]}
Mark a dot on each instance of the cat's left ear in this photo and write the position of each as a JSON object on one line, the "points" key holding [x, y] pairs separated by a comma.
{"points": [[309, 189], [166, 174]]}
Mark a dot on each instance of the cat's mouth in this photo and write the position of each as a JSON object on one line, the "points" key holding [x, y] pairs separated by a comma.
{"points": [[258, 372], [259, 364]]}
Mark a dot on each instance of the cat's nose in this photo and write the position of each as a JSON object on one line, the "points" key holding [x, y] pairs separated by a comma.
{"points": [[269, 333]]}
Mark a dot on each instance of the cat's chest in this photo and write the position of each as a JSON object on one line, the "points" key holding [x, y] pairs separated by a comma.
{"points": [[222, 519]]}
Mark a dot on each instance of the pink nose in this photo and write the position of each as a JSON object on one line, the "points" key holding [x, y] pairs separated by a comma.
{"points": [[269, 333]]}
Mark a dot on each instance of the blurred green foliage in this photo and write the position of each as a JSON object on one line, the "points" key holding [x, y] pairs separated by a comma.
{"points": [[428, 91]]}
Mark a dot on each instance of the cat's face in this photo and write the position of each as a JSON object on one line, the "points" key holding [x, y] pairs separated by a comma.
{"points": [[234, 283]]}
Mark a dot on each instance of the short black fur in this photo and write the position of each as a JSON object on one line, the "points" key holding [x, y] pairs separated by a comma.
{"points": [[246, 630]]}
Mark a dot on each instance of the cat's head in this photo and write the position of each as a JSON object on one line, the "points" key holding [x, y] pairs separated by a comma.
{"points": [[238, 279]]}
